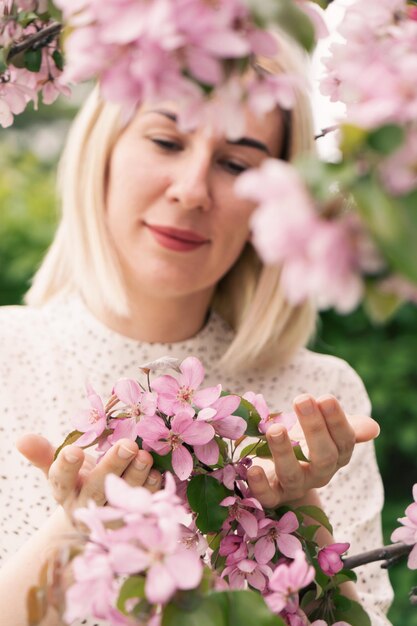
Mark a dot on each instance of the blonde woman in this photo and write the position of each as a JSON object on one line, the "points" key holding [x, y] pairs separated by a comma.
{"points": [[153, 257]]}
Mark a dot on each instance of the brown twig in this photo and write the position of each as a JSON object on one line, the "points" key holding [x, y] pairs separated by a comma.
{"points": [[326, 131], [388, 554], [37, 40]]}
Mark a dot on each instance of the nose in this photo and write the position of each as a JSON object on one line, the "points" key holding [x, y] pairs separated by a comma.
{"points": [[190, 186]]}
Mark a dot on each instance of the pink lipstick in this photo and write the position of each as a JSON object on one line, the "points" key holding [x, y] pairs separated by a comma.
{"points": [[177, 239]]}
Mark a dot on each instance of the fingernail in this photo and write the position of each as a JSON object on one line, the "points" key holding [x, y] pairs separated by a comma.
{"points": [[306, 407], [124, 452], [277, 435], [70, 456], [327, 406], [152, 480], [140, 464]]}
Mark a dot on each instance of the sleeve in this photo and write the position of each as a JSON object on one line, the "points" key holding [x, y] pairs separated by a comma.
{"points": [[353, 501]]}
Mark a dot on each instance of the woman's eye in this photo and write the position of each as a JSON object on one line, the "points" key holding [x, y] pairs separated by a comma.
{"points": [[166, 144], [233, 167]]}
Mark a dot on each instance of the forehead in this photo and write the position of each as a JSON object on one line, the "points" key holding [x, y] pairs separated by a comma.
{"points": [[267, 128]]}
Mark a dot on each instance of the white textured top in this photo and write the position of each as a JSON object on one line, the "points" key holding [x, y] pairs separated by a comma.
{"points": [[46, 356]]}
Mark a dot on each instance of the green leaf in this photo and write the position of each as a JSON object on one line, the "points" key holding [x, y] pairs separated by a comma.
{"points": [[69, 439], [260, 449], [345, 575], [317, 514], [309, 531], [33, 60], [58, 59], [204, 495], [251, 417], [352, 614], [285, 14], [133, 587], [205, 614], [386, 139], [380, 305], [162, 463], [299, 454], [352, 139], [392, 222], [246, 608]]}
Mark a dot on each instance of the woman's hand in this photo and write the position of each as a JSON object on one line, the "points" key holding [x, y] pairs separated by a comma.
{"points": [[330, 438], [75, 477]]}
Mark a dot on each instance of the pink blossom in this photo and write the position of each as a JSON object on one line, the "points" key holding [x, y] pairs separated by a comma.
{"points": [[91, 422], [233, 472], [184, 429], [238, 510], [399, 286], [139, 404], [174, 395], [255, 574], [407, 533], [286, 582], [277, 534], [226, 425], [267, 418], [329, 558]]}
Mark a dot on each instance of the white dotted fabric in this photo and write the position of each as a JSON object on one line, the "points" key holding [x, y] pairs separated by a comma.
{"points": [[46, 356]]}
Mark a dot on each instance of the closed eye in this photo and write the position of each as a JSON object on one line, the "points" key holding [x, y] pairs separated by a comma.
{"points": [[233, 167], [166, 144]]}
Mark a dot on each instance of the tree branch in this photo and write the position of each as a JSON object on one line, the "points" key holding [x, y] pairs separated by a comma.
{"points": [[37, 40], [389, 554]]}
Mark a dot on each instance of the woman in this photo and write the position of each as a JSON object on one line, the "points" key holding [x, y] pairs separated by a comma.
{"points": [[153, 257]]}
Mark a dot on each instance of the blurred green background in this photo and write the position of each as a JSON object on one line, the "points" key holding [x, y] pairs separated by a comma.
{"points": [[384, 356]]}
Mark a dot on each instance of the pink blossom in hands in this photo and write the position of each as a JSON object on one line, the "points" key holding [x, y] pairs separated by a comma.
{"points": [[407, 533], [277, 534], [91, 422], [175, 395], [329, 558], [138, 404], [286, 582], [184, 429]]}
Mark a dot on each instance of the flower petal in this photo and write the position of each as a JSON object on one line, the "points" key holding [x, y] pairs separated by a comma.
{"points": [[192, 372], [182, 462], [207, 453], [206, 397], [128, 391]]}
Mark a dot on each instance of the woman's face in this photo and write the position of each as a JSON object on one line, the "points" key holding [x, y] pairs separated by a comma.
{"points": [[171, 210]]}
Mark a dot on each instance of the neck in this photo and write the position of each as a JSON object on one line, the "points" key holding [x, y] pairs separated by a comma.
{"points": [[160, 320]]}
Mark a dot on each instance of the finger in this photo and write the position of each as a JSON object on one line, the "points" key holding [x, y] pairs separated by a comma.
{"points": [[261, 488], [154, 481], [323, 452], [138, 470], [37, 450], [364, 427], [338, 426], [288, 470], [115, 461], [64, 473]]}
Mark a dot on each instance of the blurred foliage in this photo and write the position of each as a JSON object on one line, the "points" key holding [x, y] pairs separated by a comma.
{"points": [[384, 356]]}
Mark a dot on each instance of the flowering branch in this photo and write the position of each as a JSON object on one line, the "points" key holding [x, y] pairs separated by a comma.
{"points": [[389, 554], [37, 40]]}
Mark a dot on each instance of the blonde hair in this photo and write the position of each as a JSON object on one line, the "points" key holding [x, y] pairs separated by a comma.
{"points": [[82, 258]]}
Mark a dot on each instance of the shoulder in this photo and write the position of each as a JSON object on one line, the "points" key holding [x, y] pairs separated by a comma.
{"points": [[20, 327]]}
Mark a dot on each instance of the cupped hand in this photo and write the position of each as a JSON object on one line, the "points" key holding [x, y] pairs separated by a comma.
{"points": [[76, 477], [330, 437]]}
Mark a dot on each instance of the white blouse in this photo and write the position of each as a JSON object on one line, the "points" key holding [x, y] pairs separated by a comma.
{"points": [[46, 356]]}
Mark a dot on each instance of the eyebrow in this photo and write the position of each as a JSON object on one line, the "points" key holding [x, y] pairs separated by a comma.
{"points": [[243, 141]]}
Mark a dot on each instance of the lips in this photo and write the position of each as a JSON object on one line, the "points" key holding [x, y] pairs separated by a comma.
{"points": [[176, 239]]}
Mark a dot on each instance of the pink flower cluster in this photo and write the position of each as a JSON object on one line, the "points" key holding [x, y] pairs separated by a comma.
{"points": [[172, 50], [147, 541], [18, 86], [372, 71], [175, 417], [319, 258]]}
